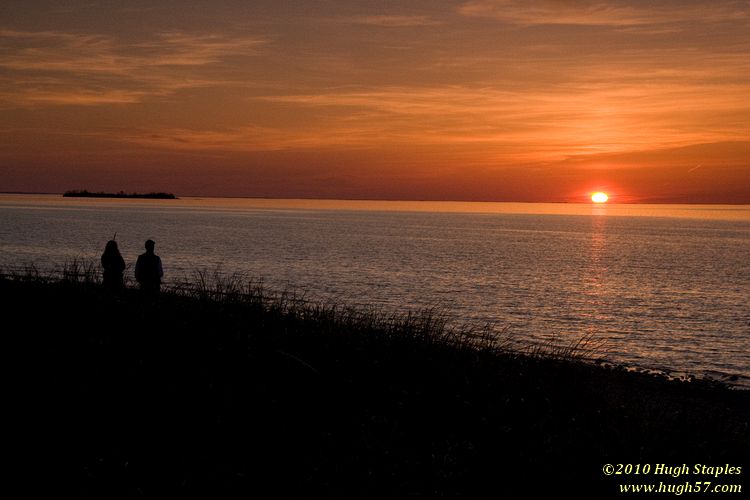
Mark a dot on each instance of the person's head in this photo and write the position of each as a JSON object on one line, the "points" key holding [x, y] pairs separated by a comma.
{"points": [[150, 245], [111, 247]]}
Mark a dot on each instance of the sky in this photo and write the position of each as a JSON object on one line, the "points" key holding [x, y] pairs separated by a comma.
{"points": [[486, 100]]}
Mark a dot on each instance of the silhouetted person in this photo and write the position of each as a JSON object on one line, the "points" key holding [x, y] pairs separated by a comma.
{"points": [[113, 265], [148, 270]]}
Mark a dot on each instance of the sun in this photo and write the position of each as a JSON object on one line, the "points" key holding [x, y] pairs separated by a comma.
{"points": [[599, 197]]}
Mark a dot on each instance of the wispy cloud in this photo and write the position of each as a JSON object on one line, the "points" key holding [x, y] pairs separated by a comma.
{"points": [[480, 125], [395, 21], [606, 12], [78, 97], [89, 69], [248, 138], [542, 124]]}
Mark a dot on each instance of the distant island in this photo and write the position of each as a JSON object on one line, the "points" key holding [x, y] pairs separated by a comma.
{"points": [[121, 194]]}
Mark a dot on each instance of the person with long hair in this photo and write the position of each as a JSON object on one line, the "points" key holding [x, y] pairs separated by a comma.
{"points": [[113, 265]]}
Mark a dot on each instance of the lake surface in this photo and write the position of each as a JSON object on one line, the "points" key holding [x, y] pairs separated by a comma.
{"points": [[661, 286]]}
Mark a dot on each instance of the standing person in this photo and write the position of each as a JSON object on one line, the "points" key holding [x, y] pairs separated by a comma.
{"points": [[148, 270], [113, 265]]}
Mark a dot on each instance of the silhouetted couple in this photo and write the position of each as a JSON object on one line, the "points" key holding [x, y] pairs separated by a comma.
{"points": [[148, 269]]}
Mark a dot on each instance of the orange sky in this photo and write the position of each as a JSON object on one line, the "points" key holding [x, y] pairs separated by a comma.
{"points": [[461, 100]]}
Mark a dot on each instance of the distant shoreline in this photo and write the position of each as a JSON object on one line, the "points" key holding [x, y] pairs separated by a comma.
{"points": [[611, 203], [121, 194]]}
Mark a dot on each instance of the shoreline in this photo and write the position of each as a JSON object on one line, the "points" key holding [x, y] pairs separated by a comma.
{"points": [[88, 271], [221, 389]]}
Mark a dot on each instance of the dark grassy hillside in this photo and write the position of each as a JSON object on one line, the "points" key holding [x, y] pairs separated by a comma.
{"points": [[235, 393]]}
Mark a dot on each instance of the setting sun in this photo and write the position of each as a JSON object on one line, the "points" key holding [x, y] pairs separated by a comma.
{"points": [[599, 197]]}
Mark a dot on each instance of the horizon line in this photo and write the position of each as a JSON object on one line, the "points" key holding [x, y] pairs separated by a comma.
{"points": [[417, 200]]}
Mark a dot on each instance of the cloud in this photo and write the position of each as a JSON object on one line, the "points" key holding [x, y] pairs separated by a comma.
{"points": [[393, 21], [89, 69], [540, 124], [466, 101], [78, 97], [245, 139], [182, 49], [617, 13], [479, 126]]}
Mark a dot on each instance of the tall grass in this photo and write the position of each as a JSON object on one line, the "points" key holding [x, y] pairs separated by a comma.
{"points": [[585, 347], [78, 270], [430, 326]]}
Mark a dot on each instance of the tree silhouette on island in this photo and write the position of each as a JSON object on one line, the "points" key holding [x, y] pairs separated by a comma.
{"points": [[121, 194]]}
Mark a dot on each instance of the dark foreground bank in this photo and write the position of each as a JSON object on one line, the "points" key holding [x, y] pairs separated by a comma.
{"points": [[212, 394]]}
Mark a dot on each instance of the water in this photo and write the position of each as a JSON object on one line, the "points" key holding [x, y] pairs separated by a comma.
{"points": [[663, 287]]}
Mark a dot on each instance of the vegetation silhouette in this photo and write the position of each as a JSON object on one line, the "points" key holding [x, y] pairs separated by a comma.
{"points": [[224, 388], [120, 194]]}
